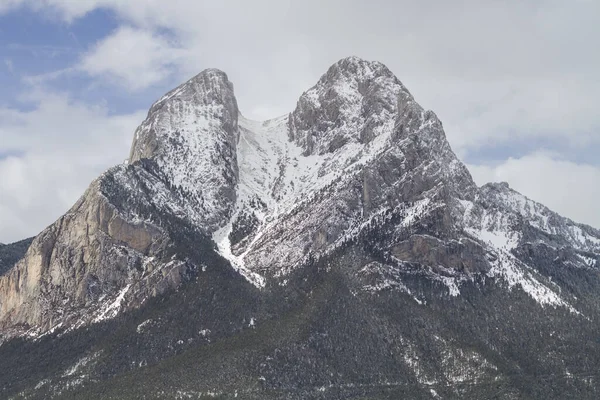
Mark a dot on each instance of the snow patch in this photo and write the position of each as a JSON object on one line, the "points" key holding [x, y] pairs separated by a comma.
{"points": [[499, 239], [141, 327], [81, 363], [112, 309], [221, 238], [386, 277], [588, 261], [511, 271], [451, 284]]}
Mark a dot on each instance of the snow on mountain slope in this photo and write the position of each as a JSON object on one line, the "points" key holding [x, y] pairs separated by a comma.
{"points": [[580, 236], [505, 218], [358, 157], [359, 143], [275, 177], [191, 133]]}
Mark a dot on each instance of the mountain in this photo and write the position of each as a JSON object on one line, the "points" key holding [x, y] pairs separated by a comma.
{"points": [[339, 251]]}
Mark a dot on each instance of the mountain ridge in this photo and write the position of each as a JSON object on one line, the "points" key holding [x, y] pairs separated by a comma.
{"points": [[358, 110], [355, 195]]}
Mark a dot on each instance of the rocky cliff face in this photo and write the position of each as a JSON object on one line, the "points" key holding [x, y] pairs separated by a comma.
{"points": [[347, 235]]}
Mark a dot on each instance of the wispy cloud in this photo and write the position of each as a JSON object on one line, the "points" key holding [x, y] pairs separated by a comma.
{"points": [[40, 79]]}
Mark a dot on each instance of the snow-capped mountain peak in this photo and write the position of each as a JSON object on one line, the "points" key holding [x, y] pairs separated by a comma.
{"points": [[192, 134], [358, 161], [353, 102]]}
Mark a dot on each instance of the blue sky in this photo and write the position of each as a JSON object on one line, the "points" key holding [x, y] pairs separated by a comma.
{"points": [[515, 85], [36, 45]]}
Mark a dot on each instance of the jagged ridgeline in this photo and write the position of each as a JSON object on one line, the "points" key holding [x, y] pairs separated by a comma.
{"points": [[339, 251]]}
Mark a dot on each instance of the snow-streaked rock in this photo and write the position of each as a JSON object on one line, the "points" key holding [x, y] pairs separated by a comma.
{"points": [[358, 159]]}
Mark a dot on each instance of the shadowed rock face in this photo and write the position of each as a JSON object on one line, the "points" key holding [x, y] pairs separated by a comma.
{"points": [[11, 253], [346, 235], [465, 256]]}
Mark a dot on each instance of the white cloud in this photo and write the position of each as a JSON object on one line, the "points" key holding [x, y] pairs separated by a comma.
{"points": [[133, 57], [51, 154], [572, 190], [480, 114], [6, 5]]}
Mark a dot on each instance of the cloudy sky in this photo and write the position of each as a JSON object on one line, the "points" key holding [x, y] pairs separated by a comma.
{"points": [[515, 83]]}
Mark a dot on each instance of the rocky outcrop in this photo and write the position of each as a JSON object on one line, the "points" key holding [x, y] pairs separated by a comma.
{"points": [[89, 254], [352, 103]]}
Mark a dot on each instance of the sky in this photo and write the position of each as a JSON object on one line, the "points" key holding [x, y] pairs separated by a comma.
{"points": [[515, 83]]}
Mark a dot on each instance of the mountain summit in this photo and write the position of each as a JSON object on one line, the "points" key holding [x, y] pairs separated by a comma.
{"points": [[339, 251]]}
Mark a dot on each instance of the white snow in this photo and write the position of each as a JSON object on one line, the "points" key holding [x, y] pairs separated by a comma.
{"points": [[112, 309], [386, 277], [41, 384], [589, 261], [451, 284], [497, 227], [274, 169], [583, 238], [499, 239], [515, 273], [221, 238], [541, 217], [75, 368], [275, 178], [416, 211], [140, 328]]}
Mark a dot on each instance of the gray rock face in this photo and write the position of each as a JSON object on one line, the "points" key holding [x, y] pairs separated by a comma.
{"points": [[357, 160], [350, 104], [80, 268]]}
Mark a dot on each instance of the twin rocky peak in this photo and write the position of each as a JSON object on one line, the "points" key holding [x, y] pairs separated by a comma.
{"points": [[357, 158]]}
